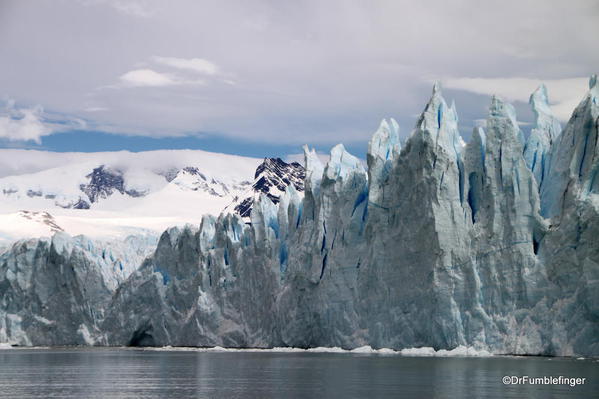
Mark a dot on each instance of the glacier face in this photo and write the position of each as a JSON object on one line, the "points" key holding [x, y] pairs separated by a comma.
{"points": [[54, 290], [439, 244]]}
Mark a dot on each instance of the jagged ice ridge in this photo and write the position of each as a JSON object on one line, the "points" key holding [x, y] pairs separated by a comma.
{"points": [[492, 245]]}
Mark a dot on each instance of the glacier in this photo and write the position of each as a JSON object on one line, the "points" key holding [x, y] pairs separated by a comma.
{"points": [[490, 245], [54, 290]]}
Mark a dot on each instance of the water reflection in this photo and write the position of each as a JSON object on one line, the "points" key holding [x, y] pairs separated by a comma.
{"points": [[125, 373]]}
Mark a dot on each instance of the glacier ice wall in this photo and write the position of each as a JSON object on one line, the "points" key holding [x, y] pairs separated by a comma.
{"points": [[55, 290], [492, 244], [538, 145]]}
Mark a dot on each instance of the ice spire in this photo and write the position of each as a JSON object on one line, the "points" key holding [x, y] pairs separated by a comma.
{"points": [[574, 158], [594, 89], [501, 109], [440, 122], [342, 164], [433, 116], [383, 150], [314, 169], [537, 151], [385, 143]]}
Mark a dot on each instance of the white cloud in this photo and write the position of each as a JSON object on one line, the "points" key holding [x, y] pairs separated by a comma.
{"points": [[199, 65], [134, 8], [146, 77], [151, 78], [564, 94], [23, 124]]}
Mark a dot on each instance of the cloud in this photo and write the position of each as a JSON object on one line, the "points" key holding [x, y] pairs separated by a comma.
{"points": [[199, 65], [24, 124], [134, 8], [146, 77], [564, 94], [304, 72], [151, 78]]}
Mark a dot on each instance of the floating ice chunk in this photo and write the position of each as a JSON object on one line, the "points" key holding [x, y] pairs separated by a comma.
{"points": [[423, 351], [323, 349], [460, 351], [286, 350], [463, 351], [386, 351], [363, 349], [367, 349]]}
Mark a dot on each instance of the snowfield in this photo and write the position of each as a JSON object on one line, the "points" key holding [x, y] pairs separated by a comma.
{"points": [[138, 192]]}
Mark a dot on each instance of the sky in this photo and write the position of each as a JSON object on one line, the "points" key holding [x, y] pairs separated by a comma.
{"points": [[262, 78]]}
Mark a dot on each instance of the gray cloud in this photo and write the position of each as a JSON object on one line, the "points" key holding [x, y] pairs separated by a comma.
{"points": [[293, 72]]}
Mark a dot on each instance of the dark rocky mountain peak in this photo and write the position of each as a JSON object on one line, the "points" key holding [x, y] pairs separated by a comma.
{"points": [[272, 177], [103, 182]]}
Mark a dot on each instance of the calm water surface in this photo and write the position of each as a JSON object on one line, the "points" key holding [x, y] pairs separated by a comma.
{"points": [[128, 373]]}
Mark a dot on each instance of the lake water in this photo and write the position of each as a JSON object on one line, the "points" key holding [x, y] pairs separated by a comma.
{"points": [[131, 373]]}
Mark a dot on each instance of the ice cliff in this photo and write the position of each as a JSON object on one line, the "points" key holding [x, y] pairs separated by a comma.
{"points": [[55, 290], [492, 245]]}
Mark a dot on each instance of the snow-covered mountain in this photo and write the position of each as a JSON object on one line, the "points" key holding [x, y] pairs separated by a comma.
{"points": [[121, 193], [272, 177], [115, 193]]}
